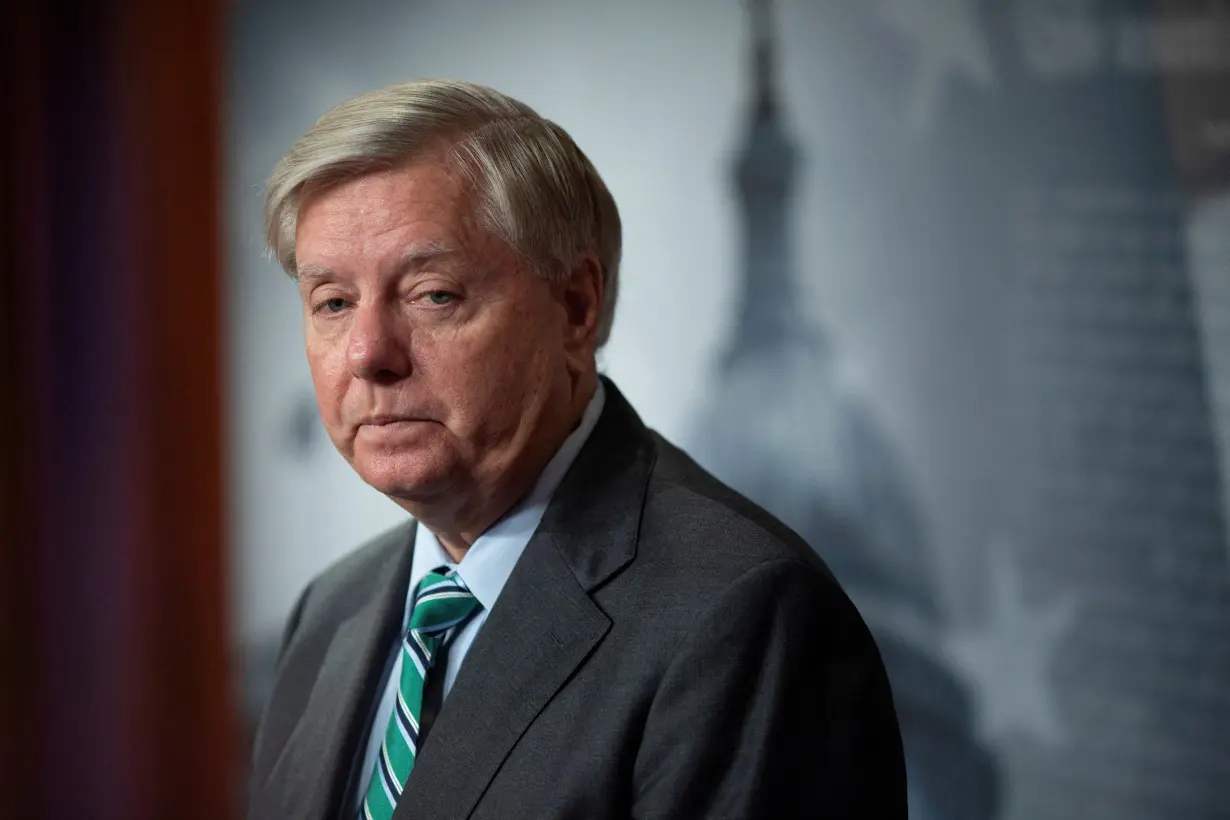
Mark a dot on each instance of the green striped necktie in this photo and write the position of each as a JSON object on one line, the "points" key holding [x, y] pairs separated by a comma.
{"points": [[441, 605]]}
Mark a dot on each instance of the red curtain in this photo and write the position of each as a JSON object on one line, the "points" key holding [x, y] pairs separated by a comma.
{"points": [[116, 699]]}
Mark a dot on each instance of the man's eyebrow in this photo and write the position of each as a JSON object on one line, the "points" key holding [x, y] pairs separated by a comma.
{"points": [[420, 253], [414, 256], [307, 274]]}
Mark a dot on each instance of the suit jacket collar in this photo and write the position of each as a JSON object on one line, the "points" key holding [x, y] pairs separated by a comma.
{"points": [[595, 515], [544, 624]]}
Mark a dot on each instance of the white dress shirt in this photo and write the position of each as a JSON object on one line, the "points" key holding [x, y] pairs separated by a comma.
{"points": [[484, 569]]}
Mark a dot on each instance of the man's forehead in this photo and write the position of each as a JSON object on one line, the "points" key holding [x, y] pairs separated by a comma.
{"points": [[426, 183], [408, 215]]}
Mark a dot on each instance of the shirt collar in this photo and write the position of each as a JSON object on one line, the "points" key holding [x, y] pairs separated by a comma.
{"points": [[491, 558]]}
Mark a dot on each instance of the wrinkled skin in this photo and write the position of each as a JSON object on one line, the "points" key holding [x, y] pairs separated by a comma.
{"points": [[446, 371]]}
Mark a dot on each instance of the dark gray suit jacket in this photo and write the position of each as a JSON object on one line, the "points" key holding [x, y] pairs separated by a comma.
{"points": [[663, 649]]}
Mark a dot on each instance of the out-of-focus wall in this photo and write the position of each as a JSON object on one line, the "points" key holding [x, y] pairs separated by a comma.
{"points": [[994, 400]]}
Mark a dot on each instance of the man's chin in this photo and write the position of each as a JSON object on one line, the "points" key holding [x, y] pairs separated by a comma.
{"points": [[404, 479]]}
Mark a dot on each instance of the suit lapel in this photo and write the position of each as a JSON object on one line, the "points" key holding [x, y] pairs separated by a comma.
{"points": [[314, 767], [544, 623], [540, 630]]}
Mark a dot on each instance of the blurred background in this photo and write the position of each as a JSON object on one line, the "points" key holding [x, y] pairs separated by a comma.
{"points": [[945, 284]]}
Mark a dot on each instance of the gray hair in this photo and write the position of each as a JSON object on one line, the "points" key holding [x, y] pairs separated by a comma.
{"points": [[536, 189]]}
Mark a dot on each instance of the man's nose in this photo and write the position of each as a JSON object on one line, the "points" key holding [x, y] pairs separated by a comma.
{"points": [[378, 346]]}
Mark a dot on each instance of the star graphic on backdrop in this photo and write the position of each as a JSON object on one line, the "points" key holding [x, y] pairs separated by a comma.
{"points": [[947, 40], [1008, 656]]}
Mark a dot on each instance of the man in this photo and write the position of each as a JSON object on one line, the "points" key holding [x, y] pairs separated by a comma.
{"points": [[579, 622]]}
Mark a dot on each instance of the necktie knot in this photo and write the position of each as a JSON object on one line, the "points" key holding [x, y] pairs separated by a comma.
{"points": [[442, 601]]}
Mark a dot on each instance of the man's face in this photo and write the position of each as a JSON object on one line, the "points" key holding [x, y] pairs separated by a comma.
{"points": [[437, 356]]}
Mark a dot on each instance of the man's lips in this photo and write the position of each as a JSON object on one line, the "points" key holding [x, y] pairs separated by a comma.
{"points": [[381, 421], [390, 421]]}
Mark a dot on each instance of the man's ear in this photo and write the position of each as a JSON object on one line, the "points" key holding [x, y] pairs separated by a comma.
{"points": [[580, 293]]}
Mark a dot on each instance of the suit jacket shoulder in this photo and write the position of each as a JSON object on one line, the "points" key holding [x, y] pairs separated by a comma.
{"points": [[719, 521], [698, 537], [761, 690]]}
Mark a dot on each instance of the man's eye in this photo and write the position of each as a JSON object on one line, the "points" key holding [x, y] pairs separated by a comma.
{"points": [[440, 297], [334, 305]]}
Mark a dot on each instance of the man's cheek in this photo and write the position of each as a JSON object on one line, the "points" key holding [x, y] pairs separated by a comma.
{"points": [[330, 371]]}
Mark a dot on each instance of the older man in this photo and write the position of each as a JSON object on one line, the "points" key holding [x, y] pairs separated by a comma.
{"points": [[579, 621]]}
